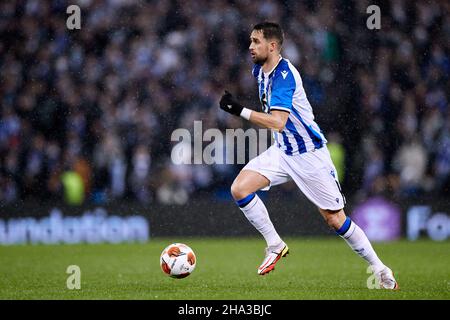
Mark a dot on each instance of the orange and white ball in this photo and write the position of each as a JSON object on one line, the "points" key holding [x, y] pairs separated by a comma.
{"points": [[178, 260]]}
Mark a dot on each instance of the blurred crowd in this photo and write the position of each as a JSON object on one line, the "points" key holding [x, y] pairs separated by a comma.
{"points": [[91, 111]]}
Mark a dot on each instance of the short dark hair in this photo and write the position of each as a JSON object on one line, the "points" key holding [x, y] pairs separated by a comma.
{"points": [[271, 30]]}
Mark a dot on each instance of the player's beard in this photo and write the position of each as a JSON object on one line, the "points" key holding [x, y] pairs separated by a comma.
{"points": [[259, 60]]}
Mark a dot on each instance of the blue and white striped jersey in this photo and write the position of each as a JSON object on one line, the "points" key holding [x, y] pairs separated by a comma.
{"points": [[282, 89]]}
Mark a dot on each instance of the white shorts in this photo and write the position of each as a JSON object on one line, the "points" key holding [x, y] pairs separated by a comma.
{"points": [[313, 172]]}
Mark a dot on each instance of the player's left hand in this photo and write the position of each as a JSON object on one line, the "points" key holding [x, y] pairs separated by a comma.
{"points": [[230, 105]]}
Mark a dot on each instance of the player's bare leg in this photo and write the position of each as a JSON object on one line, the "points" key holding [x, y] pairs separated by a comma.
{"points": [[358, 241], [247, 182], [243, 190]]}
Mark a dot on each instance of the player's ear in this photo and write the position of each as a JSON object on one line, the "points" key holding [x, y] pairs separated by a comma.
{"points": [[278, 46], [273, 46]]}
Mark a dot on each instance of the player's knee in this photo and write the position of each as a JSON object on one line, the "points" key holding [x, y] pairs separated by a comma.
{"points": [[333, 221], [238, 191]]}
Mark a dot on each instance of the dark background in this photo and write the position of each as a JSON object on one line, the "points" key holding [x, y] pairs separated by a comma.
{"points": [[102, 102]]}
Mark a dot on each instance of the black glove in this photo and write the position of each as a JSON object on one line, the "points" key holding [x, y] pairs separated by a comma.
{"points": [[228, 104]]}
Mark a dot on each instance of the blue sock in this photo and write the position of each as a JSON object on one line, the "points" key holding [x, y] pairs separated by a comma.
{"points": [[243, 202]]}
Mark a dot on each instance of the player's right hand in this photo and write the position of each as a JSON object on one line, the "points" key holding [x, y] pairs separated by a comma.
{"points": [[230, 105]]}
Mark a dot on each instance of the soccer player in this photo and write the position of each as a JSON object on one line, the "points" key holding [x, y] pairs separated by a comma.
{"points": [[299, 152]]}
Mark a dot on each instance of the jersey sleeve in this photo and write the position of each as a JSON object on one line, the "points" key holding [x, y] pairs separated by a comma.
{"points": [[283, 89]]}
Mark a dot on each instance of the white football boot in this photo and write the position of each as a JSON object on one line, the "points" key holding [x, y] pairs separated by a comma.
{"points": [[386, 279], [273, 254]]}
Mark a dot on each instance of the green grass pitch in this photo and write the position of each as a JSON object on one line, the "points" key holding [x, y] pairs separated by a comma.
{"points": [[226, 269]]}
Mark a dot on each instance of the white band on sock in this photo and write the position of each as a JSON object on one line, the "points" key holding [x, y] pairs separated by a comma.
{"points": [[245, 113]]}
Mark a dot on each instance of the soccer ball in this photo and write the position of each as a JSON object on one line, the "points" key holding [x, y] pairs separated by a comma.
{"points": [[178, 260]]}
